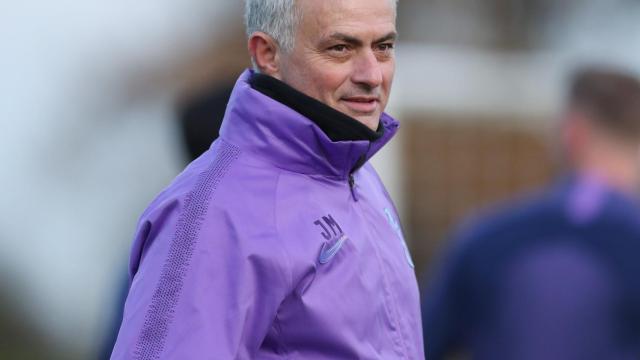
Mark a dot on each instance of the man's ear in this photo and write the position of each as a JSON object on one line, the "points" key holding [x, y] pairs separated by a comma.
{"points": [[264, 52]]}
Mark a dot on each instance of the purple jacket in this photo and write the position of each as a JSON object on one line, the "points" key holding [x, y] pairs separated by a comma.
{"points": [[260, 249]]}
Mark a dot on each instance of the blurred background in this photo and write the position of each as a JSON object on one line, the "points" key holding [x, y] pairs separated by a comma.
{"points": [[103, 103]]}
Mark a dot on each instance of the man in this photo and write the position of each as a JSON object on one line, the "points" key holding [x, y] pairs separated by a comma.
{"points": [[281, 241], [555, 276]]}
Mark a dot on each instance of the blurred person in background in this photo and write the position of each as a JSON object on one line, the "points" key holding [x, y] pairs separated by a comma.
{"points": [[201, 118], [280, 241], [555, 275]]}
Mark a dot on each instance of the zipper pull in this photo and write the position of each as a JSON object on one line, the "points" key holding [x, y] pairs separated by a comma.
{"points": [[352, 182], [352, 185]]}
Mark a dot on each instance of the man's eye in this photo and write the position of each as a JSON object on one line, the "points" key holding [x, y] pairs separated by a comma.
{"points": [[339, 48], [386, 47]]}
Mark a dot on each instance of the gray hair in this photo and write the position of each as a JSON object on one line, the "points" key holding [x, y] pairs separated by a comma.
{"points": [[277, 18]]}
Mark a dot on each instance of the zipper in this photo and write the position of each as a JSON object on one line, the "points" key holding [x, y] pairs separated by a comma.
{"points": [[352, 185], [352, 181], [391, 306]]}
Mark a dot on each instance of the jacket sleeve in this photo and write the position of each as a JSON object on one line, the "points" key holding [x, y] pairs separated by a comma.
{"points": [[202, 287]]}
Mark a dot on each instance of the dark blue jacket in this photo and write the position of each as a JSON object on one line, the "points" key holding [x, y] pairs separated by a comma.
{"points": [[553, 276]]}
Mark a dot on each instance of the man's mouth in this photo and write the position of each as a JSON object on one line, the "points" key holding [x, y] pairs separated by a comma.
{"points": [[361, 104]]}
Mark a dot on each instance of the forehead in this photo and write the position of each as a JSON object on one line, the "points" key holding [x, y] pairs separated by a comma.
{"points": [[321, 18]]}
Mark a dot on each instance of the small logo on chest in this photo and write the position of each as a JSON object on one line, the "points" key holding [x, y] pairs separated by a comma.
{"points": [[334, 236]]}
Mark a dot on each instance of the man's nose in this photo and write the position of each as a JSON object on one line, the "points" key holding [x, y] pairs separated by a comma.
{"points": [[367, 70]]}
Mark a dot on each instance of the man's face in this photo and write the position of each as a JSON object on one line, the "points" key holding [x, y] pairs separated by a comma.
{"points": [[343, 55]]}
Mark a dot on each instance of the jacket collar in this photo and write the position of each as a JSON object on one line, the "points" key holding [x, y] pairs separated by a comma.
{"points": [[336, 125], [282, 136]]}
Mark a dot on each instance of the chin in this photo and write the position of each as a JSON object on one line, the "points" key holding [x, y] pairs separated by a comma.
{"points": [[369, 121]]}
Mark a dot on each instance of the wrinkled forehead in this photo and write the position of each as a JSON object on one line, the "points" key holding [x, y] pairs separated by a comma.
{"points": [[392, 3], [323, 17], [312, 7]]}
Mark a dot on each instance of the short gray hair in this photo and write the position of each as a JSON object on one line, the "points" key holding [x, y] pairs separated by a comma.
{"points": [[277, 18]]}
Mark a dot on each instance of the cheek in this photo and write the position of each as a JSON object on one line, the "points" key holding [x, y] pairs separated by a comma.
{"points": [[341, 80], [332, 83], [388, 70]]}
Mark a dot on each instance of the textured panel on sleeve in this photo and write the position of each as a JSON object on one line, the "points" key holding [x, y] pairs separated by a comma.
{"points": [[167, 293]]}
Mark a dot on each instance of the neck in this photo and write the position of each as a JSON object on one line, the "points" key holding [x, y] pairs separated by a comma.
{"points": [[620, 170]]}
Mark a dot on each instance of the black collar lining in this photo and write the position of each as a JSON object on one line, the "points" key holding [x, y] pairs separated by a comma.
{"points": [[335, 124]]}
